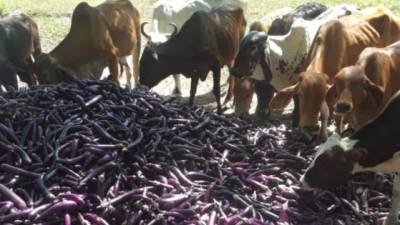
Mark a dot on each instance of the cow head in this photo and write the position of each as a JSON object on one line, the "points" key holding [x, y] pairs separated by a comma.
{"points": [[311, 90], [333, 164], [48, 71], [354, 91], [151, 65], [156, 38], [251, 49]]}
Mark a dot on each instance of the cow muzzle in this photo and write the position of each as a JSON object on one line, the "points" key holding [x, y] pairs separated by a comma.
{"points": [[236, 73], [311, 132], [343, 108], [304, 185]]}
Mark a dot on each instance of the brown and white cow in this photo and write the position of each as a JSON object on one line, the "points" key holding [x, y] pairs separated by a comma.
{"points": [[277, 22], [337, 45], [108, 31], [19, 41], [362, 90], [207, 41], [278, 60], [374, 147], [242, 90]]}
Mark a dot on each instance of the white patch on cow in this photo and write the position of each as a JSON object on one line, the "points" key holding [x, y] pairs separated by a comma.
{"points": [[178, 11], [258, 73], [158, 38], [390, 166], [286, 54], [304, 184], [334, 140]]}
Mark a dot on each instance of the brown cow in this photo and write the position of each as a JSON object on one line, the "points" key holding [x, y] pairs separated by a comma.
{"points": [[110, 30], [19, 41], [362, 90], [337, 45]]}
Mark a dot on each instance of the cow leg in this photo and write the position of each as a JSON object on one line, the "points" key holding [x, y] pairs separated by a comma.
{"points": [[296, 112], [113, 67], [124, 67], [177, 90], [392, 218], [27, 74], [230, 92], [9, 81], [265, 93], [136, 67], [217, 88], [193, 88], [324, 121]]}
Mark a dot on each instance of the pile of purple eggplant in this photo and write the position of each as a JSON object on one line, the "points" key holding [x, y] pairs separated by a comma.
{"points": [[95, 153]]}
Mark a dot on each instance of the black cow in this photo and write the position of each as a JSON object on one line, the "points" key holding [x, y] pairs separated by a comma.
{"points": [[374, 147], [207, 41], [19, 40]]}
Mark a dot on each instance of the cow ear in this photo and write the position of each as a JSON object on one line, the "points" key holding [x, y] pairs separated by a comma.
{"points": [[356, 154], [67, 75], [326, 77], [375, 91], [331, 94], [283, 97], [262, 37]]}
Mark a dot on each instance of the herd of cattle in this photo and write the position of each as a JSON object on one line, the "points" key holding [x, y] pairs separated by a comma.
{"points": [[340, 64]]}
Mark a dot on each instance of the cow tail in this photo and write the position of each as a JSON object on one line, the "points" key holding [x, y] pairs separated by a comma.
{"points": [[136, 52], [229, 94]]}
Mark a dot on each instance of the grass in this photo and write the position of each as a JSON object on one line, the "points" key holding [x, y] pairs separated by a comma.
{"points": [[53, 16]]}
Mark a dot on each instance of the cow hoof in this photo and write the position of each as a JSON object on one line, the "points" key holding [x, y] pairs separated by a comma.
{"points": [[177, 92], [262, 115]]}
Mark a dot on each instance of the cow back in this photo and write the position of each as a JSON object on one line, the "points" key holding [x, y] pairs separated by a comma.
{"points": [[287, 54], [109, 26], [339, 43], [385, 23], [211, 35], [122, 20], [307, 11]]}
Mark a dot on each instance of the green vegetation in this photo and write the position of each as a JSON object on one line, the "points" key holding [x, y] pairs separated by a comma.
{"points": [[53, 16]]}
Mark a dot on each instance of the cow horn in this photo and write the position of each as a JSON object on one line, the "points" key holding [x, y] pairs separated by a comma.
{"points": [[144, 32], [175, 31]]}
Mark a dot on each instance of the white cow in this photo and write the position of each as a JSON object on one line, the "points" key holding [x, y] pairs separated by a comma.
{"points": [[167, 12]]}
